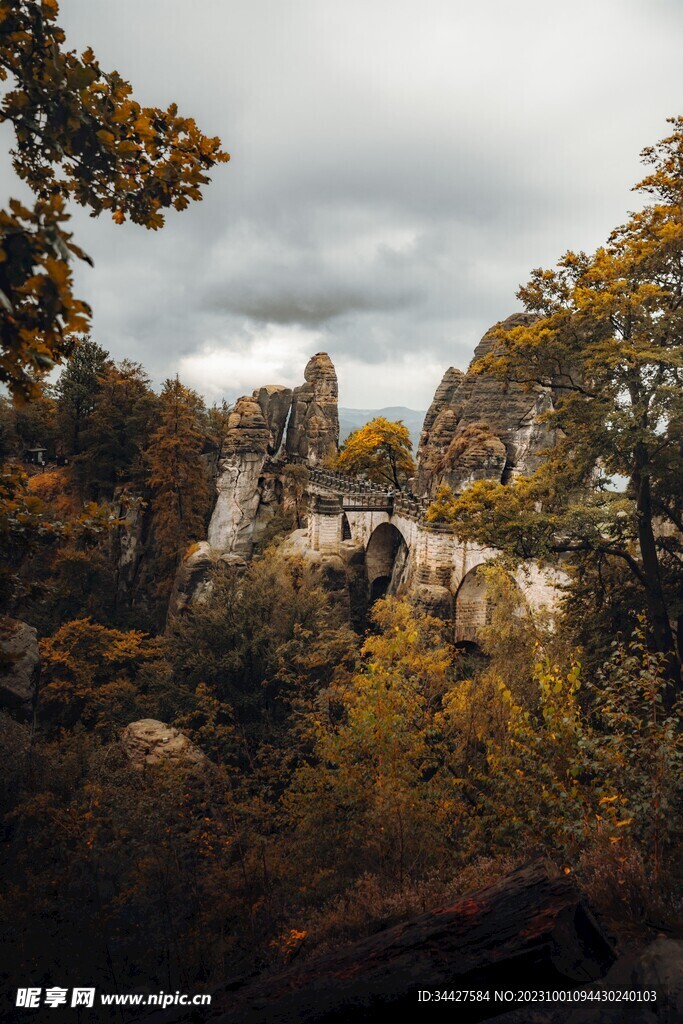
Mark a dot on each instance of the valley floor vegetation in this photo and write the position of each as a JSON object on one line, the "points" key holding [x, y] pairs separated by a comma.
{"points": [[349, 779]]}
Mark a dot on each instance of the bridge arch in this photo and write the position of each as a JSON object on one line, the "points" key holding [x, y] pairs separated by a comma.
{"points": [[474, 603], [385, 558], [473, 606]]}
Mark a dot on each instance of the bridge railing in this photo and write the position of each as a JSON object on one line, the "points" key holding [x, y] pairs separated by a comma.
{"points": [[333, 479], [410, 506], [359, 493]]}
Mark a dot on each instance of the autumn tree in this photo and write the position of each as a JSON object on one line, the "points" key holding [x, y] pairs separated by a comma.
{"points": [[216, 418], [234, 643], [90, 675], [560, 777], [380, 450], [24, 529], [116, 432], [378, 794], [177, 476], [76, 391], [8, 434], [76, 577], [249, 664], [152, 854], [607, 337], [79, 135], [29, 425]]}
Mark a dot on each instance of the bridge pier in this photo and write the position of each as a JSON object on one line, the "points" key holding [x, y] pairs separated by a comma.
{"points": [[325, 523], [434, 556], [434, 570]]}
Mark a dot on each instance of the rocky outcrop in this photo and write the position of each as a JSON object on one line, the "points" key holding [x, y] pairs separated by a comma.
{"points": [[441, 404], [275, 402], [654, 977], [149, 742], [19, 666], [244, 454], [191, 579], [479, 427], [128, 544], [313, 431], [250, 484], [658, 968]]}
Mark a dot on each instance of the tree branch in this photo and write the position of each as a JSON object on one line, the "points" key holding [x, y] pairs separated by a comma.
{"points": [[605, 549]]}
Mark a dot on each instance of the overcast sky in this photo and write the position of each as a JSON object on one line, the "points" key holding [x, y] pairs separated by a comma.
{"points": [[397, 169]]}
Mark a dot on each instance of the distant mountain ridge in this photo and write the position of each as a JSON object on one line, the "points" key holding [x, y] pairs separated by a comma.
{"points": [[352, 419]]}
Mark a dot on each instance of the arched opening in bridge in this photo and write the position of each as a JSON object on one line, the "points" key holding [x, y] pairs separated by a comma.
{"points": [[346, 528], [474, 606], [385, 558]]}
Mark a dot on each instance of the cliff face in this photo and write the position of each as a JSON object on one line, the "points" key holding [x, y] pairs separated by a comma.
{"points": [[274, 402], [479, 427], [244, 454]]}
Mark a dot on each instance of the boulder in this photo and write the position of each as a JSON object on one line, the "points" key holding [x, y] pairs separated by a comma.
{"points": [[149, 742], [658, 968], [191, 578], [19, 666]]}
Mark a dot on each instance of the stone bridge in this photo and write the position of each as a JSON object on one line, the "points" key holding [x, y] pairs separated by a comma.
{"points": [[369, 540], [404, 552]]}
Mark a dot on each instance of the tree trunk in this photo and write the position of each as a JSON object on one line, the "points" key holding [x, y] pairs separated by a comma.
{"points": [[530, 930], [656, 602]]}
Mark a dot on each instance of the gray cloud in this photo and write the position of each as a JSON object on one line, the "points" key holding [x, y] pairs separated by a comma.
{"points": [[397, 170]]}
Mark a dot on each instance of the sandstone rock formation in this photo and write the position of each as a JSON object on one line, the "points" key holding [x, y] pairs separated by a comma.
{"points": [[249, 484], [244, 454], [149, 742], [480, 427], [275, 402], [128, 544], [658, 968], [191, 578], [441, 403], [19, 666], [313, 431]]}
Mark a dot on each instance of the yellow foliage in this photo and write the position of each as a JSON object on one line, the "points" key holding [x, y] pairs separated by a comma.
{"points": [[380, 450], [54, 488]]}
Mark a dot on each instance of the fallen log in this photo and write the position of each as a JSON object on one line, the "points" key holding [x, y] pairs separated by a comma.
{"points": [[530, 930]]}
